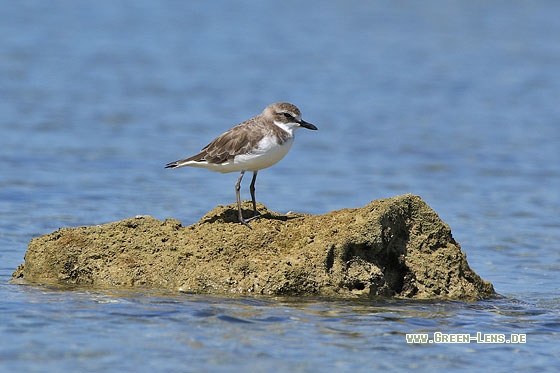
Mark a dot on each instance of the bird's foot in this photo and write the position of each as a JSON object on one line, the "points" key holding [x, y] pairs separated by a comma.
{"points": [[246, 221], [256, 216]]}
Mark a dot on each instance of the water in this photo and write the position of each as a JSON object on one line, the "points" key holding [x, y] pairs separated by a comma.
{"points": [[454, 101]]}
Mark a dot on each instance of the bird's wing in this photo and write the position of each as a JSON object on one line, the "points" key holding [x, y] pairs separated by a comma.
{"points": [[240, 139]]}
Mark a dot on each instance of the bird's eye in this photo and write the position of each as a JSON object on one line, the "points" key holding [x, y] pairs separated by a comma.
{"points": [[288, 115]]}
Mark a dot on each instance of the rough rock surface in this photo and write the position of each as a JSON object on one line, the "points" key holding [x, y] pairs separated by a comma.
{"points": [[390, 247]]}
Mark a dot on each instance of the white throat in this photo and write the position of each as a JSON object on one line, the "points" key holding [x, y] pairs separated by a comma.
{"points": [[288, 127]]}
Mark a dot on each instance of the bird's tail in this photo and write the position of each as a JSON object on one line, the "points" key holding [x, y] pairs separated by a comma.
{"points": [[172, 164], [179, 163], [191, 161]]}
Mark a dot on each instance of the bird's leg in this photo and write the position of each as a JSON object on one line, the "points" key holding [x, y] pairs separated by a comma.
{"points": [[252, 189], [237, 188]]}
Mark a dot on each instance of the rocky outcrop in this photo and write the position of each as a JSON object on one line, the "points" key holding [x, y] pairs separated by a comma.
{"points": [[390, 247]]}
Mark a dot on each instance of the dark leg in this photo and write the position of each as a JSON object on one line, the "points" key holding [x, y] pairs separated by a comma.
{"points": [[252, 189], [237, 194]]}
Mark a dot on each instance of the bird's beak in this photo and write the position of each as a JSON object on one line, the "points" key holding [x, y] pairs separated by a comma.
{"points": [[309, 126]]}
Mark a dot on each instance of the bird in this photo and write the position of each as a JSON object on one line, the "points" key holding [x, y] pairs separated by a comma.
{"points": [[253, 145]]}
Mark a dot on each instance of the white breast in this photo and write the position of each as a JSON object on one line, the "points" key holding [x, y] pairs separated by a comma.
{"points": [[267, 153]]}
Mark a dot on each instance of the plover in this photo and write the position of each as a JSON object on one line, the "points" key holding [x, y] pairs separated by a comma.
{"points": [[253, 145]]}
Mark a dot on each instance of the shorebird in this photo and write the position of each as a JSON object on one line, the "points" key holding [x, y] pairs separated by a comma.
{"points": [[253, 145]]}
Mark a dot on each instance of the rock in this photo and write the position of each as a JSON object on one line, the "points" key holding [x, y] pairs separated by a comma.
{"points": [[390, 247]]}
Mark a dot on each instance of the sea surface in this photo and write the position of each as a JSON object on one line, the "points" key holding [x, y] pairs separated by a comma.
{"points": [[455, 101]]}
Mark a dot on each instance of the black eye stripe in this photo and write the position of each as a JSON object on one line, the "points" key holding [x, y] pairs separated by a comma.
{"points": [[288, 115]]}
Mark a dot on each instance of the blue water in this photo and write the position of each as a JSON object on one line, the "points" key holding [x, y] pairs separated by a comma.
{"points": [[454, 101]]}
